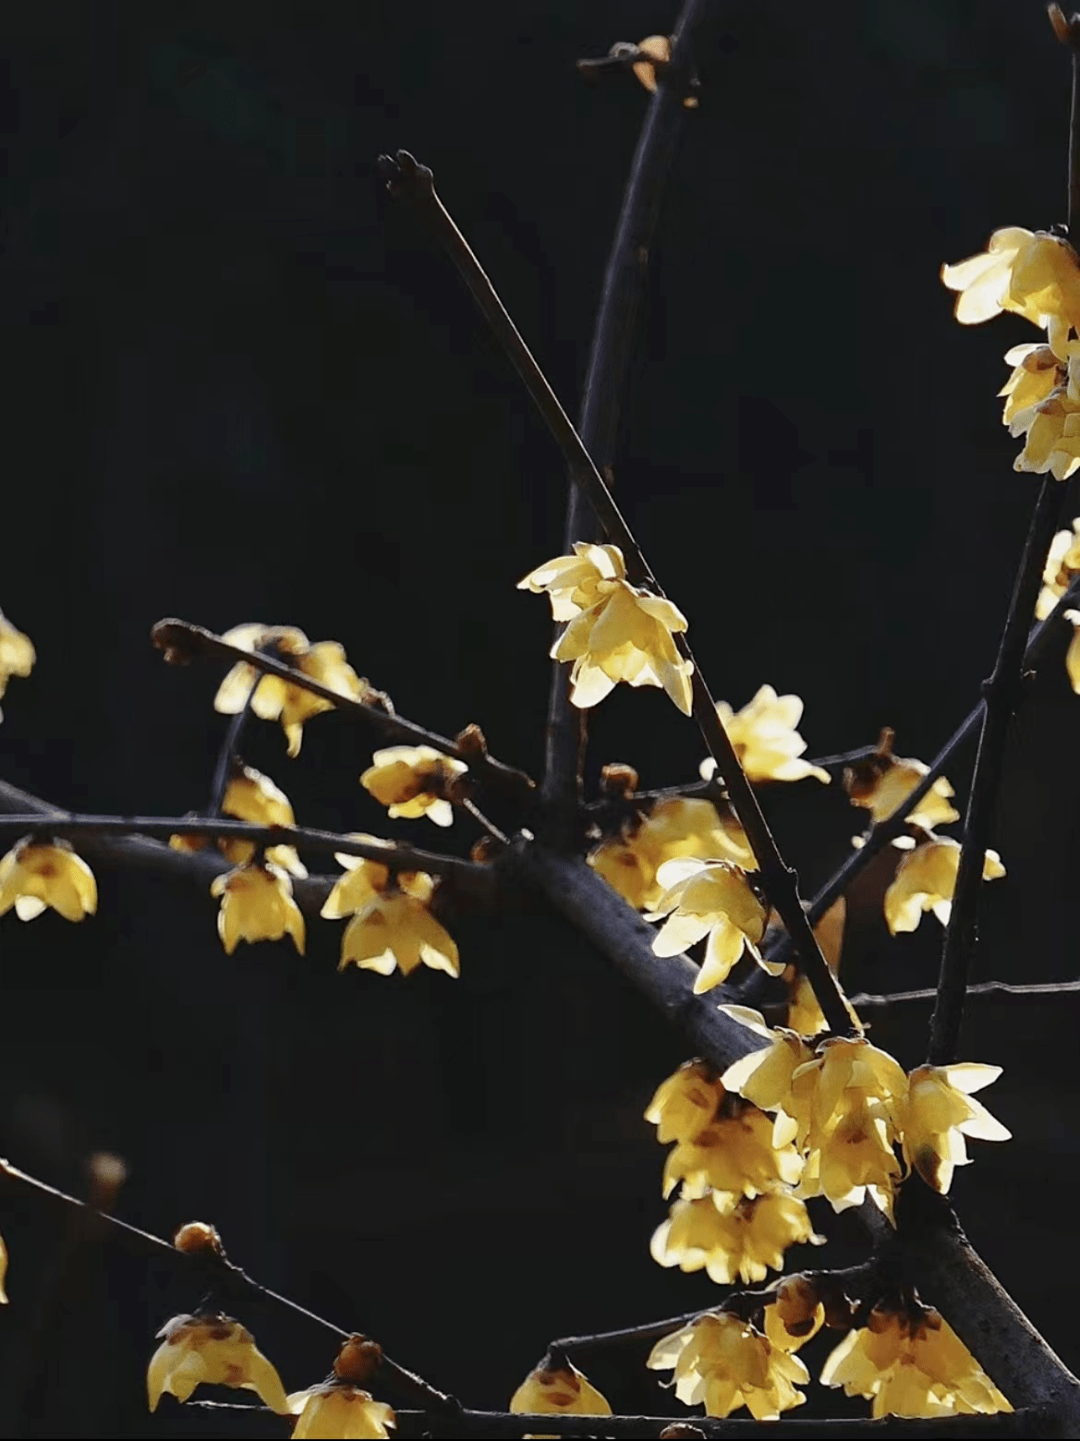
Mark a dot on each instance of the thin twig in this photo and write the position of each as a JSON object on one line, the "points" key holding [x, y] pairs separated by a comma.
{"points": [[180, 640], [1039, 991], [1001, 696], [613, 340], [226, 1278], [227, 754], [414, 183]]}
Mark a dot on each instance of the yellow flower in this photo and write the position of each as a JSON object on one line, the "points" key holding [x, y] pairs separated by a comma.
{"points": [[1030, 274], [17, 654], [731, 1236], [685, 1103], [797, 1314], [1052, 428], [393, 928], [411, 780], [925, 881], [714, 899], [251, 796], [212, 1350], [616, 632], [940, 1113], [765, 739], [278, 699], [34, 875], [804, 1014], [738, 1153], [257, 905], [558, 1391], [911, 1364], [1062, 565], [1072, 655], [882, 783], [337, 1409], [1036, 374], [676, 827], [724, 1362]]}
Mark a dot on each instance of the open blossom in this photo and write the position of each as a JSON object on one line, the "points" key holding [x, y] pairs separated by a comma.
{"points": [[737, 1152], [1051, 428], [938, 1115], [1062, 566], [1036, 374], [257, 905], [276, 698], [410, 780], [616, 631], [925, 880], [1032, 274], [34, 875], [17, 654], [765, 739], [714, 899], [1072, 655], [731, 1236], [724, 1362], [392, 926], [251, 796], [679, 826], [797, 1314], [685, 1103], [337, 1409], [212, 1350], [911, 1363], [882, 783], [558, 1391]]}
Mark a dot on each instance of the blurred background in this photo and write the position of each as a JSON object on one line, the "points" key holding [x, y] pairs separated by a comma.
{"points": [[241, 385]]}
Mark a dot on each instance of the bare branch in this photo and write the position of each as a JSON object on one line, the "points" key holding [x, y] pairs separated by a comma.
{"points": [[985, 989]]}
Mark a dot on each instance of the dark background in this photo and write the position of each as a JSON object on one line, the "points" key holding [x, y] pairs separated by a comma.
{"points": [[241, 385]]}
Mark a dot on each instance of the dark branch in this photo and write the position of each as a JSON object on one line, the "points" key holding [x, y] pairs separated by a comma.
{"points": [[1001, 696], [613, 339]]}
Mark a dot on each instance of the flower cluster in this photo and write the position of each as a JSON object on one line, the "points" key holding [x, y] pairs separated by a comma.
{"points": [[391, 924], [678, 826], [722, 1362], [616, 631], [250, 796]]}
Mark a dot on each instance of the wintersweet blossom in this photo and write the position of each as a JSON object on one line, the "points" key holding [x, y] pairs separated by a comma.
{"points": [[765, 739], [679, 826], [257, 905], [1072, 655], [911, 1362], [724, 1362], [732, 1236], [337, 1409], [685, 1103], [804, 1014], [17, 655], [1032, 274], [737, 1152], [394, 927], [616, 631], [35, 874], [1051, 428], [713, 899], [251, 796], [883, 782], [940, 1112], [212, 1350], [276, 698], [1062, 566], [411, 781], [1036, 374], [796, 1315], [558, 1391], [925, 880]]}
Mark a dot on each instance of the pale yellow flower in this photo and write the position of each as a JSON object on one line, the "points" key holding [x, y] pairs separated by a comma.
{"points": [[257, 905], [395, 929], [1052, 431], [1072, 655], [714, 899], [796, 1315], [337, 1409], [279, 699], [882, 783], [1062, 566], [17, 654], [211, 1350], [925, 880], [685, 1103], [411, 780], [723, 1362], [251, 796], [938, 1115], [655, 50], [737, 1152], [911, 1364], [1037, 372], [732, 1236], [558, 1391], [616, 631], [679, 826], [34, 875], [765, 739], [1032, 274]]}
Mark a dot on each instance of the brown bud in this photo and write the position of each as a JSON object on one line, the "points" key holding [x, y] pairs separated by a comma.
{"points": [[358, 1360], [197, 1237], [1061, 27], [472, 742], [681, 1431], [484, 850], [617, 779]]}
